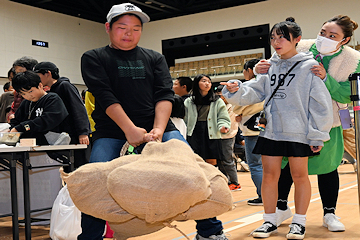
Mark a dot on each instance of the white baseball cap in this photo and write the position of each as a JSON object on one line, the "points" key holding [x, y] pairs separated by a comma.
{"points": [[124, 8]]}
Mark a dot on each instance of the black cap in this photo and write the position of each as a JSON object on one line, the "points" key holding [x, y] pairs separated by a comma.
{"points": [[45, 66]]}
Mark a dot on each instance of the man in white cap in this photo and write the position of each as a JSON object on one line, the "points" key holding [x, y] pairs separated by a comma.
{"points": [[133, 94]]}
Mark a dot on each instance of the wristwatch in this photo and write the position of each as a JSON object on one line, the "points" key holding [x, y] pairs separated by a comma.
{"points": [[27, 127]]}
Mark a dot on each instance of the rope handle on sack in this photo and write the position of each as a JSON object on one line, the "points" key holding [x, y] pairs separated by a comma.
{"points": [[127, 147], [124, 148], [174, 226]]}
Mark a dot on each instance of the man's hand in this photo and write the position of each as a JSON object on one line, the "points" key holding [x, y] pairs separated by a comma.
{"points": [[135, 136], [84, 139], [155, 135]]}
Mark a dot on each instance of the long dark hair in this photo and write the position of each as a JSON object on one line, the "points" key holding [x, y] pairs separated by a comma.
{"points": [[197, 98]]}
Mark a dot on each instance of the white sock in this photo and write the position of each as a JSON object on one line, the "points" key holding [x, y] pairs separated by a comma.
{"points": [[270, 217], [300, 219]]}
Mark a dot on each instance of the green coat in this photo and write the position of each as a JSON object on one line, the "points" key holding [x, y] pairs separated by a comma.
{"points": [[331, 154], [218, 117]]}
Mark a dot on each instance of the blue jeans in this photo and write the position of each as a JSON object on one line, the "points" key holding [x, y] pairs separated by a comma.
{"points": [[107, 149], [254, 162]]}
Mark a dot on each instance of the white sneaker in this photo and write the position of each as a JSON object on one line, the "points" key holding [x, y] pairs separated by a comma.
{"points": [[282, 215], [331, 222], [245, 166]]}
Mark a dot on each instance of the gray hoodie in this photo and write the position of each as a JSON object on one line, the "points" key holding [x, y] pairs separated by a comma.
{"points": [[301, 109]]}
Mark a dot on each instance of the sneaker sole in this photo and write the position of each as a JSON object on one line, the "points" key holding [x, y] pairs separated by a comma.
{"points": [[234, 190], [295, 236], [263, 235], [255, 204], [333, 229]]}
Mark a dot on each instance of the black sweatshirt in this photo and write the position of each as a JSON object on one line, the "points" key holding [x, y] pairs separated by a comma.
{"points": [[77, 120], [35, 119], [136, 79]]}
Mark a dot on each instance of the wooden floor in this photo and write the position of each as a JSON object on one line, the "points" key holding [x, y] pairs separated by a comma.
{"points": [[243, 219]]}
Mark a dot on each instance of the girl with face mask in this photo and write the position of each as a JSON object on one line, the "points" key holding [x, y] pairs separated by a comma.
{"points": [[337, 62]]}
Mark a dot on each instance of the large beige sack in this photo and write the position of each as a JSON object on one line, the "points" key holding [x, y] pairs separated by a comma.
{"points": [[89, 187], [165, 180], [219, 202], [134, 227], [88, 190]]}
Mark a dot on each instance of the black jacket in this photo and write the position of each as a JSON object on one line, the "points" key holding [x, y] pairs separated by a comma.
{"points": [[77, 122], [35, 119]]}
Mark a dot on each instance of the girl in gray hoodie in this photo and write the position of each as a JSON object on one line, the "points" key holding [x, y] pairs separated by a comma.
{"points": [[298, 112]]}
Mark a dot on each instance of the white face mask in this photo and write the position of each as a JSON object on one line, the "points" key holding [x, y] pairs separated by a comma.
{"points": [[325, 45]]}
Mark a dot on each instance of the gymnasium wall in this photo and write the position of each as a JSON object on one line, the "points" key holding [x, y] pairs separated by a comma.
{"points": [[69, 37]]}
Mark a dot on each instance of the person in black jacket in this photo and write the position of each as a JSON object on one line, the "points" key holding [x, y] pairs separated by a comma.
{"points": [[40, 112], [77, 122]]}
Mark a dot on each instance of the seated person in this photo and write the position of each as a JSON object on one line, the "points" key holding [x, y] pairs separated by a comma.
{"points": [[40, 112], [6, 100]]}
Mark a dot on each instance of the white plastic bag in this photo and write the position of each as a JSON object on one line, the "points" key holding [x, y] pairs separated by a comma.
{"points": [[65, 221]]}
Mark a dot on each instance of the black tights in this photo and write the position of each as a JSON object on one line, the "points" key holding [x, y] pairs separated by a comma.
{"points": [[328, 187]]}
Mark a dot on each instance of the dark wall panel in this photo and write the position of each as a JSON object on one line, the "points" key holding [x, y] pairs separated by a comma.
{"points": [[217, 42]]}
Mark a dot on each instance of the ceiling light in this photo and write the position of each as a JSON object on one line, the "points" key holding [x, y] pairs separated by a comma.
{"points": [[148, 2]]}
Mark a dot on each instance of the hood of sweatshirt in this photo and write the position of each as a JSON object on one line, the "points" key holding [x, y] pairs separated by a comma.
{"points": [[286, 64]]}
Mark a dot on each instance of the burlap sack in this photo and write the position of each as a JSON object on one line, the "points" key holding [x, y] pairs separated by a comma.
{"points": [[171, 182], [165, 181], [88, 190], [219, 202], [134, 227]]}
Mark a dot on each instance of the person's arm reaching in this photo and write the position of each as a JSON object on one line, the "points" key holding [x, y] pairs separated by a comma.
{"points": [[134, 134], [162, 116]]}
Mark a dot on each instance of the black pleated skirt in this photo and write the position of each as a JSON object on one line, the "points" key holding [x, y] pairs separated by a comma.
{"points": [[201, 143], [269, 147]]}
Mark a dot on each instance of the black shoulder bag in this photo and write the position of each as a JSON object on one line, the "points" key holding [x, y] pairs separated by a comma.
{"points": [[281, 82], [262, 120]]}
